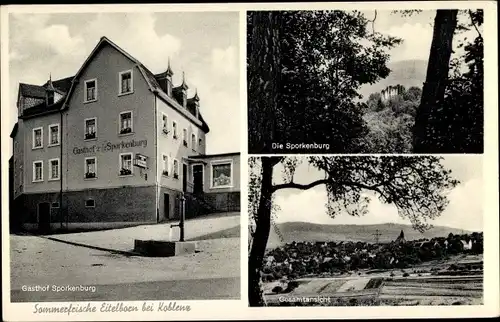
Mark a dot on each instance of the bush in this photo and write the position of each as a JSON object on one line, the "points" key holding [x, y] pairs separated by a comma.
{"points": [[277, 289], [291, 286]]}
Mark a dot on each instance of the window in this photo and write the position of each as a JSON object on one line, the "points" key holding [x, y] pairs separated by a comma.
{"points": [[54, 169], [176, 169], [165, 165], [126, 85], [222, 174], [90, 203], [185, 137], [165, 123], [55, 205], [37, 138], [90, 168], [37, 171], [193, 141], [200, 142], [90, 90], [53, 134], [174, 128], [90, 128], [125, 122], [125, 164]]}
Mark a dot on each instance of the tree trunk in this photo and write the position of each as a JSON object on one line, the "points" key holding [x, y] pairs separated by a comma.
{"points": [[424, 138], [261, 234], [263, 79]]}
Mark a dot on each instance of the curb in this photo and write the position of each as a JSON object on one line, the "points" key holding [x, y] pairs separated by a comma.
{"points": [[121, 252]]}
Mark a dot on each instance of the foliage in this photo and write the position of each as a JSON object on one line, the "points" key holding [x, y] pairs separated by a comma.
{"points": [[416, 185], [461, 109], [390, 122], [325, 56], [465, 94]]}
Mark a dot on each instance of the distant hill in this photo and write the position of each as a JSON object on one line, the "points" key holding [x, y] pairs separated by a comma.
{"points": [[407, 73], [302, 231]]}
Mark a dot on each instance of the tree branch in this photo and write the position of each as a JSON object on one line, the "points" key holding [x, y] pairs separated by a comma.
{"points": [[373, 22], [292, 185], [474, 24]]}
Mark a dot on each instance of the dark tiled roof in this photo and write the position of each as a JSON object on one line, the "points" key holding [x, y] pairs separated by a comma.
{"points": [[42, 109], [62, 84], [36, 91], [152, 78], [29, 90]]}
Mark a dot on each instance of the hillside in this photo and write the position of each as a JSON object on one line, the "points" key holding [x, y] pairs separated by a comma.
{"points": [[302, 231], [407, 73]]}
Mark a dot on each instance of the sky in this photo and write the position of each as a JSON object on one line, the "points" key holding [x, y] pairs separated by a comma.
{"points": [[415, 30], [205, 45], [465, 210]]}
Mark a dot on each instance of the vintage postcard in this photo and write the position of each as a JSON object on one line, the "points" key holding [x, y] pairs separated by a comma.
{"points": [[221, 161]]}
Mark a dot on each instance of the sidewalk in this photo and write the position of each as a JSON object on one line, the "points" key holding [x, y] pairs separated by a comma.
{"points": [[122, 240]]}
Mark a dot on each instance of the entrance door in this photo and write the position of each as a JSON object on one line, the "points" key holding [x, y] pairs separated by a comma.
{"points": [[166, 205], [44, 217], [198, 178], [184, 177]]}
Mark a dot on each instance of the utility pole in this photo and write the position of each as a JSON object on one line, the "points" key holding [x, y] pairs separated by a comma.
{"points": [[377, 235]]}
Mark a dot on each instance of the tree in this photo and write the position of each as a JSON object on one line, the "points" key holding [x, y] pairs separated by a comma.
{"points": [[433, 91], [263, 78], [415, 185], [322, 60], [452, 105]]}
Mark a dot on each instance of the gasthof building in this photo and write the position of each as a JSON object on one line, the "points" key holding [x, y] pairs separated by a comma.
{"points": [[114, 145]]}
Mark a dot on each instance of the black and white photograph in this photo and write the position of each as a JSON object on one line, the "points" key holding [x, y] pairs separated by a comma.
{"points": [[366, 230], [125, 167], [365, 81]]}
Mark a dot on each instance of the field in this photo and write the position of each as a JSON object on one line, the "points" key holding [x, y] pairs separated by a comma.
{"points": [[457, 281]]}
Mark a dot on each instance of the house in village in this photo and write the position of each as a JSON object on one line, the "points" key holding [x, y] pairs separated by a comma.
{"points": [[114, 145]]}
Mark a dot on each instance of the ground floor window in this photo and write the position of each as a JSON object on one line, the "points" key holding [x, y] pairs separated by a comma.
{"points": [[125, 164], [222, 172]]}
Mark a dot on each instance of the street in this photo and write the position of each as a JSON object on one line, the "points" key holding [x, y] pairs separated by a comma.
{"points": [[213, 272]]}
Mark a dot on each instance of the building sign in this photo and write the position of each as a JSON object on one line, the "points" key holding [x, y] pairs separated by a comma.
{"points": [[141, 161], [110, 146]]}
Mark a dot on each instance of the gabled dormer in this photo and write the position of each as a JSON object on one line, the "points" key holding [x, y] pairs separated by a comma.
{"points": [[165, 80], [180, 92], [193, 105]]}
